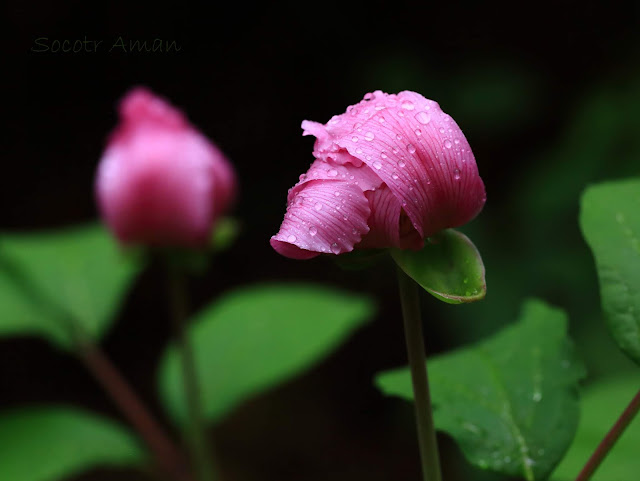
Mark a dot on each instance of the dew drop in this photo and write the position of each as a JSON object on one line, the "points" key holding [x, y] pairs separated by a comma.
{"points": [[456, 174], [395, 150], [394, 176], [354, 138], [369, 136], [401, 163], [291, 238], [411, 148], [383, 155], [377, 165], [408, 105], [313, 231], [357, 125], [381, 119], [336, 193], [537, 396], [441, 131], [399, 137], [318, 206], [418, 132], [423, 117], [332, 173], [335, 248], [447, 144], [358, 150]]}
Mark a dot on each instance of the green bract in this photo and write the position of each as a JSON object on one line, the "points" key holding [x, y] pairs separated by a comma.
{"points": [[448, 266]]}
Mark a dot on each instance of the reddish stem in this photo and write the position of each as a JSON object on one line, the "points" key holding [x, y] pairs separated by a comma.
{"points": [[610, 439], [167, 455]]}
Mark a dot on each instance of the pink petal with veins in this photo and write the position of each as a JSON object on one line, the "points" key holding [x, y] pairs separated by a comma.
{"points": [[326, 216]]}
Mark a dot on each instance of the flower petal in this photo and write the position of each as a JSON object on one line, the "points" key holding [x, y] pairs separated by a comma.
{"points": [[388, 224], [362, 176], [325, 216], [422, 156]]}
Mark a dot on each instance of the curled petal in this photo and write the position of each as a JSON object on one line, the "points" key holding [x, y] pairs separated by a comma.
{"points": [[362, 177], [388, 223], [326, 216], [422, 156]]}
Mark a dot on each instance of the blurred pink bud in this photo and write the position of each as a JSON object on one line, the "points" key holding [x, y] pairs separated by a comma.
{"points": [[160, 182], [389, 172]]}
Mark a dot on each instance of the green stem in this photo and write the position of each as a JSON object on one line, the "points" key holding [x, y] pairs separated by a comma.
{"points": [[610, 439], [417, 363], [200, 449]]}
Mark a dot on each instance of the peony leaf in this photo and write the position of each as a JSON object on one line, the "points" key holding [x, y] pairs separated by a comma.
{"points": [[509, 401], [255, 338], [610, 222], [61, 284], [54, 443], [448, 266]]}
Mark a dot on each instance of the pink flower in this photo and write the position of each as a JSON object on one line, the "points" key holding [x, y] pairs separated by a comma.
{"points": [[390, 172], [160, 182]]}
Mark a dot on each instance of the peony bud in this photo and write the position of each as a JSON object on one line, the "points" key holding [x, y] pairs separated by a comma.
{"points": [[160, 182], [390, 172]]}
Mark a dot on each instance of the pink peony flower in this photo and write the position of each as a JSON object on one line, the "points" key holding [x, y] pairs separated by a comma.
{"points": [[160, 182], [390, 172]]}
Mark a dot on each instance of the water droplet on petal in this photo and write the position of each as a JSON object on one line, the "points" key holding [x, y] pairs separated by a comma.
{"points": [[408, 105], [336, 193], [423, 117], [335, 248], [369, 136], [332, 173], [441, 131], [381, 119], [401, 163], [377, 165], [447, 144], [383, 155], [358, 150], [354, 138], [399, 137], [411, 148], [456, 174], [318, 206], [394, 176], [291, 238], [418, 132], [313, 231]]}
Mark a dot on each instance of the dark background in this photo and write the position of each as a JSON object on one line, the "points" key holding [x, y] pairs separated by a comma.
{"points": [[547, 94]]}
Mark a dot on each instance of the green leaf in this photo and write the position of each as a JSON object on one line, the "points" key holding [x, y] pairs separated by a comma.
{"points": [[602, 403], [255, 338], [62, 283], [449, 266], [510, 401], [54, 443], [610, 222]]}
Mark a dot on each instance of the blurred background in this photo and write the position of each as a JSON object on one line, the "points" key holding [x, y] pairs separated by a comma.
{"points": [[547, 95]]}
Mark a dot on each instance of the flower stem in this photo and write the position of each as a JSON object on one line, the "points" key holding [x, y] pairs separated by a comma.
{"points": [[417, 363], [200, 449], [610, 439], [167, 455]]}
